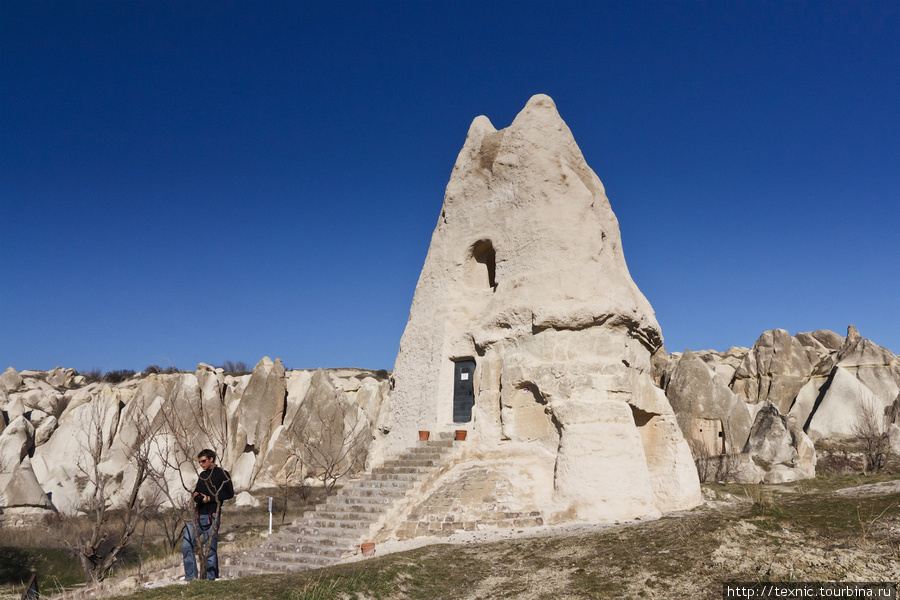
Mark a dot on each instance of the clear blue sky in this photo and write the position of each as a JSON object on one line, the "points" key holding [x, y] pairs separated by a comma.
{"points": [[207, 181]]}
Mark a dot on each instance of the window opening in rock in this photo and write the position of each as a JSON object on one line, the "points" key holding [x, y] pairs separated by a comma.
{"points": [[482, 267], [641, 417], [708, 436]]}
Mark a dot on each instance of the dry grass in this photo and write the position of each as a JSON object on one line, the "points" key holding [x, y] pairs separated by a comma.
{"points": [[753, 533]]}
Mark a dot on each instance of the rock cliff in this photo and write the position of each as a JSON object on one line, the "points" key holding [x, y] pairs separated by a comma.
{"points": [[798, 390], [57, 418], [527, 330]]}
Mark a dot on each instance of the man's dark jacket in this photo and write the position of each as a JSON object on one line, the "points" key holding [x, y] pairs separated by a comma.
{"points": [[215, 483]]}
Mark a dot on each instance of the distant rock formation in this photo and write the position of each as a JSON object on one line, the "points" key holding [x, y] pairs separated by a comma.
{"points": [[248, 419], [798, 389], [527, 330]]}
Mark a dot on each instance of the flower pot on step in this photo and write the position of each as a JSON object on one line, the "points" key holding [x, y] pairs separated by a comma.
{"points": [[423, 436], [460, 435], [368, 549]]}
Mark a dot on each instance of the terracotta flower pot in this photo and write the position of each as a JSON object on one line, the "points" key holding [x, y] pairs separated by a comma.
{"points": [[461, 434], [368, 549], [423, 436]]}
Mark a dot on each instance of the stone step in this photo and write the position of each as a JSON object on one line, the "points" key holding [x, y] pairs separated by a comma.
{"points": [[321, 538], [354, 526], [329, 533], [245, 562], [298, 558], [417, 462], [309, 549], [356, 501], [362, 506], [440, 450], [382, 484], [376, 492], [352, 504], [416, 470], [407, 477], [335, 528], [346, 515], [408, 456]]}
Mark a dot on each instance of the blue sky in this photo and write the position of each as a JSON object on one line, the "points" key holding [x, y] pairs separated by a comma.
{"points": [[209, 181]]}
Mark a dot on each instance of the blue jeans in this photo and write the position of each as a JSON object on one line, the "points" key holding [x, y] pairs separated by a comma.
{"points": [[207, 525]]}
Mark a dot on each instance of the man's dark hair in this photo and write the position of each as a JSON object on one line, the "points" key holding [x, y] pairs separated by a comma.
{"points": [[207, 453]]}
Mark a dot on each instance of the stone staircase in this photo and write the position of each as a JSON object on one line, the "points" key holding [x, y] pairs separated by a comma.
{"points": [[336, 528]]}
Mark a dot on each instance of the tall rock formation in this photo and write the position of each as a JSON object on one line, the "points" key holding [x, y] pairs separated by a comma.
{"points": [[527, 330]]}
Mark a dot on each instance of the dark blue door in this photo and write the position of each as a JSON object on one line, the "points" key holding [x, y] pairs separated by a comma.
{"points": [[463, 390]]}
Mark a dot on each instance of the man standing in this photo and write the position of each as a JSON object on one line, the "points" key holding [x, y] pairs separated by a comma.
{"points": [[213, 488]]}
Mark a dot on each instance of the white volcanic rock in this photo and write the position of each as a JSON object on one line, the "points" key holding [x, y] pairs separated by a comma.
{"points": [[15, 408], [876, 367], [67, 449], [262, 402], [15, 443], [60, 377], [44, 430], [10, 380], [526, 277], [211, 409], [22, 489], [706, 408], [770, 438], [297, 384], [246, 499], [212, 401], [838, 409], [52, 403], [775, 369], [858, 373], [779, 448]]}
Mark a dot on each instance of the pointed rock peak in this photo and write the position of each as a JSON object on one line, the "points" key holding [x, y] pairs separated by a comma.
{"points": [[480, 127], [852, 333], [539, 114], [265, 361], [540, 105]]}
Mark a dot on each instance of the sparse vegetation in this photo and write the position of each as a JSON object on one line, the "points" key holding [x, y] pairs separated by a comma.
{"points": [[872, 430], [752, 533], [334, 443], [118, 376], [235, 368], [92, 376], [157, 370]]}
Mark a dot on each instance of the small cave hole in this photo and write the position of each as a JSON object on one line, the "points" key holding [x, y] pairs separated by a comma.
{"points": [[482, 271]]}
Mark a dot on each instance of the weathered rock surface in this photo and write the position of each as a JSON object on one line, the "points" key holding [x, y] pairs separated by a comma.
{"points": [[20, 488], [774, 370], [712, 417], [47, 443], [10, 380], [525, 277], [837, 377], [779, 447]]}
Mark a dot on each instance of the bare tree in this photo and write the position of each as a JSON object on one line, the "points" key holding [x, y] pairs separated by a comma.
{"points": [[335, 441], [290, 479], [99, 549], [713, 467], [189, 427], [871, 428]]}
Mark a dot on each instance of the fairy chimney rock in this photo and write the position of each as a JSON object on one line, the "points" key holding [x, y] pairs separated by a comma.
{"points": [[527, 330]]}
